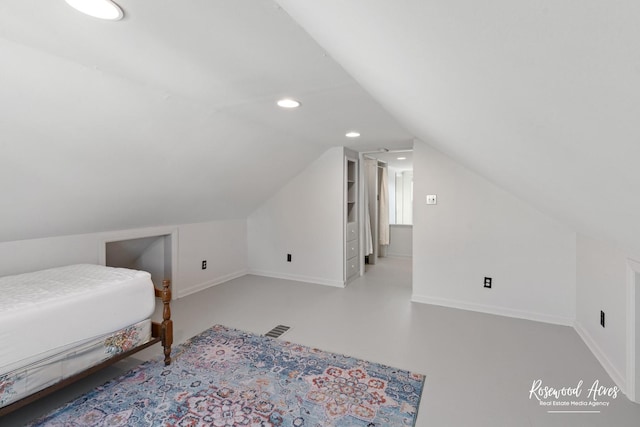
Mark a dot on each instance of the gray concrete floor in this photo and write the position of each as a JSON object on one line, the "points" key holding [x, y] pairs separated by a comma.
{"points": [[479, 367]]}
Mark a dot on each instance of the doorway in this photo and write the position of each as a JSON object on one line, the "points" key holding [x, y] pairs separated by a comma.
{"points": [[387, 196]]}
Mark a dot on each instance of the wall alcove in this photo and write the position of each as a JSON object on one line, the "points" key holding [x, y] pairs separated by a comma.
{"points": [[154, 253]]}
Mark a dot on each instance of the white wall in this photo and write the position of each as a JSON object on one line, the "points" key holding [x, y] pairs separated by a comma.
{"points": [[221, 243], [400, 240], [23, 256], [152, 260], [601, 272], [636, 362], [305, 219], [477, 230]]}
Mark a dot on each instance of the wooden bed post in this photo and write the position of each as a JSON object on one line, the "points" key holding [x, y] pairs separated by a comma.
{"points": [[164, 330], [167, 324]]}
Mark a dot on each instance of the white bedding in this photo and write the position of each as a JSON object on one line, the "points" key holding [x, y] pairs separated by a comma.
{"points": [[50, 309], [49, 368]]}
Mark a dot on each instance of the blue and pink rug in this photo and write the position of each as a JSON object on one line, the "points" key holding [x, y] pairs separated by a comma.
{"points": [[225, 377]]}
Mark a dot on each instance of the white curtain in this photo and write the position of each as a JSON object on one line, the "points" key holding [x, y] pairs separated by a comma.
{"points": [[370, 168], [368, 239], [383, 209]]}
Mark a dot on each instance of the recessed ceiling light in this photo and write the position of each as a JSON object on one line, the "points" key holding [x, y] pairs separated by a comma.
{"points": [[288, 103], [101, 9], [402, 158], [352, 134]]}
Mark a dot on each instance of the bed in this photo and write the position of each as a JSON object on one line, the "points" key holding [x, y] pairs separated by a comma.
{"points": [[62, 324]]}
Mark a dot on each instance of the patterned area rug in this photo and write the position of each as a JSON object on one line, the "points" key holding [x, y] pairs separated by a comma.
{"points": [[225, 377]]}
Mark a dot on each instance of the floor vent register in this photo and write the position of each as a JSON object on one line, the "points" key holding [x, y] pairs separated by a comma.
{"points": [[277, 331]]}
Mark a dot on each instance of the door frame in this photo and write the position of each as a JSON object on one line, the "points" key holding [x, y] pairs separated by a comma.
{"points": [[363, 199], [633, 291]]}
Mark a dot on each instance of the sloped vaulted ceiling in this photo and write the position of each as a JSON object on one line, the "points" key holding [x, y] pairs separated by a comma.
{"points": [[541, 97], [165, 117]]}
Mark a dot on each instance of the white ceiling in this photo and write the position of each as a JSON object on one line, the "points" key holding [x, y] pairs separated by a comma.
{"points": [[165, 117], [541, 97], [168, 115]]}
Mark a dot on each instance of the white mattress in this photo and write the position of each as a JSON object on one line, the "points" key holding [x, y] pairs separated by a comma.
{"points": [[50, 309]]}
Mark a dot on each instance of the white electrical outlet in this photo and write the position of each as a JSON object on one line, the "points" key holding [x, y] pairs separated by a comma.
{"points": [[432, 199]]}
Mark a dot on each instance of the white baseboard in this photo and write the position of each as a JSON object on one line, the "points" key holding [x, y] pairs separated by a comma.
{"points": [[202, 286], [500, 311], [602, 358], [399, 255], [299, 278]]}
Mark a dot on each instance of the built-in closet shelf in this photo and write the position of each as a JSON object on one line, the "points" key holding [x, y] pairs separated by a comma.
{"points": [[351, 243]]}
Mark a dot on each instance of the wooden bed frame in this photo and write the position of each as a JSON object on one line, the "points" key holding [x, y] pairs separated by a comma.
{"points": [[160, 332]]}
